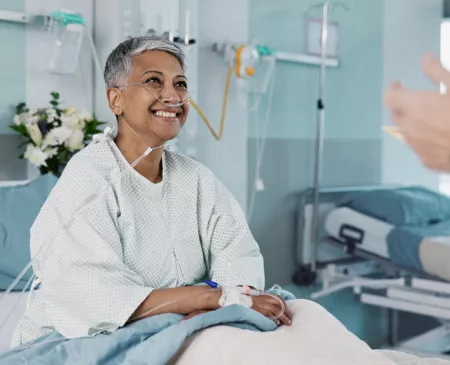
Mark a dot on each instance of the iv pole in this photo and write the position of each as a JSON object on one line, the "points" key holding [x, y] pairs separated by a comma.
{"points": [[318, 155], [307, 275]]}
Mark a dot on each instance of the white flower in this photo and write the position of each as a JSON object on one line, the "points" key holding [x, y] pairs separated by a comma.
{"points": [[35, 155], [70, 111], [51, 115], [75, 142], [35, 133], [81, 122], [72, 122], [33, 119], [51, 111], [17, 120], [23, 118], [57, 136], [85, 115], [33, 111], [51, 152]]}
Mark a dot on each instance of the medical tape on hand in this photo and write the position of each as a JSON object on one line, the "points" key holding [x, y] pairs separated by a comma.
{"points": [[232, 295]]}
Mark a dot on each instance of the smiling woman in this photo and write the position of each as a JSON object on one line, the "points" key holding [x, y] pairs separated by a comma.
{"points": [[167, 224], [151, 103]]}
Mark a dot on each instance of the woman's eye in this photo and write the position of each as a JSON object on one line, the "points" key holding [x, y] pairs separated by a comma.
{"points": [[153, 80], [182, 85]]}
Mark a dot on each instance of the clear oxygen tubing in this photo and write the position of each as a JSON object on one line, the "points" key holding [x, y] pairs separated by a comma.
{"points": [[17, 301], [147, 151], [261, 142]]}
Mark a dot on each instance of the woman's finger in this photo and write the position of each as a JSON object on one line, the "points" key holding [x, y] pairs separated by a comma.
{"points": [[288, 312], [285, 320]]}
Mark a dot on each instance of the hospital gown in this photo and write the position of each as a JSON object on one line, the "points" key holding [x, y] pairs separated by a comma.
{"points": [[106, 237]]}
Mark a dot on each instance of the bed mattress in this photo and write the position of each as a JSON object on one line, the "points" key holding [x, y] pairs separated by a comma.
{"points": [[12, 308], [365, 232]]}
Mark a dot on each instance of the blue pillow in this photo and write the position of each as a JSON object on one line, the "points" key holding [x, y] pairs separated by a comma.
{"points": [[19, 207], [413, 206]]}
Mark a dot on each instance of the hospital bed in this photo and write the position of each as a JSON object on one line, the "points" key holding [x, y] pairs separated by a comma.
{"points": [[315, 336], [20, 202], [387, 263]]}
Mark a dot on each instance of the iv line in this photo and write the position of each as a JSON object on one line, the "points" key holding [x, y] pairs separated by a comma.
{"points": [[260, 147]]}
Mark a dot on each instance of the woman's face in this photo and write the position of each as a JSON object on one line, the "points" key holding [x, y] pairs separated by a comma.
{"points": [[150, 118]]}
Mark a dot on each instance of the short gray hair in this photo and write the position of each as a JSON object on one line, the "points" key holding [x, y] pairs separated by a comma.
{"points": [[119, 62]]}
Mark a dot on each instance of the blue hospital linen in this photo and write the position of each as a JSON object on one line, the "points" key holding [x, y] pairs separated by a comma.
{"points": [[153, 340]]}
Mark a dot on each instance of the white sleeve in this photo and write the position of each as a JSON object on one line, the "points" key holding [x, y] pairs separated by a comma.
{"points": [[232, 254], [87, 287]]}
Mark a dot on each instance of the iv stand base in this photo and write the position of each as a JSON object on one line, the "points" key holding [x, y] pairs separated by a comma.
{"points": [[304, 276]]}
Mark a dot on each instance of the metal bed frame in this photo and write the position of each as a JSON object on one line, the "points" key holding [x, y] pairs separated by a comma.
{"points": [[397, 289]]}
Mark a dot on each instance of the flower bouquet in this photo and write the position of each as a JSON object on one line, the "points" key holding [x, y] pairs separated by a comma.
{"points": [[53, 135]]}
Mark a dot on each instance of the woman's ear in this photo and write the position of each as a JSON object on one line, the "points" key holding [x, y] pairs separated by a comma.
{"points": [[115, 100]]}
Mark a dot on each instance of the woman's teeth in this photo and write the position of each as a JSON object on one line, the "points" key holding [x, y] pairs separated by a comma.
{"points": [[162, 114]]}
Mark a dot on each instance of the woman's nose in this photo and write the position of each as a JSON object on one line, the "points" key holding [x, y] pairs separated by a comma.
{"points": [[169, 94]]}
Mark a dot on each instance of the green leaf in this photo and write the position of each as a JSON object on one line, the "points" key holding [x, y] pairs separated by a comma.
{"points": [[24, 143], [55, 95], [21, 129], [21, 108]]}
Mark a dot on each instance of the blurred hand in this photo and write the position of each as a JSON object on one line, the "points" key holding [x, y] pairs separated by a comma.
{"points": [[271, 307], [423, 117]]}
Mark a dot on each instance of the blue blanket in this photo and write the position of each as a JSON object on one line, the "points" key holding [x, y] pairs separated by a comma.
{"points": [[404, 242], [411, 206], [153, 340]]}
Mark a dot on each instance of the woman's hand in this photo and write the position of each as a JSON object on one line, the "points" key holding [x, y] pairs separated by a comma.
{"points": [[271, 307], [267, 305]]}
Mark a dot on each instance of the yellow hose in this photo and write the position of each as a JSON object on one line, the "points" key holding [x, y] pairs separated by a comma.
{"points": [[224, 108]]}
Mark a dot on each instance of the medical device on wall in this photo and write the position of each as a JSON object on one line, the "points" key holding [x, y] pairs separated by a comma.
{"points": [[68, 30], [244, 62], [168, 29]]}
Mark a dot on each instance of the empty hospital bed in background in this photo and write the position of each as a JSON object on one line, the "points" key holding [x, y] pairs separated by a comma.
{"points": [[391, 245]]}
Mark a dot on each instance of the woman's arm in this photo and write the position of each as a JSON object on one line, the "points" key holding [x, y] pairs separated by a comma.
{"points": [[232, 254], [183, 300]]}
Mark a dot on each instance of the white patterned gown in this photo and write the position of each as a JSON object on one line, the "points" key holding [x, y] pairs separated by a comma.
{"points": [[106, 237]]}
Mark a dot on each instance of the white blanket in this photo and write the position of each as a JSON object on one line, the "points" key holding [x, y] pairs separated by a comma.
{"points": [[315, 338]]}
